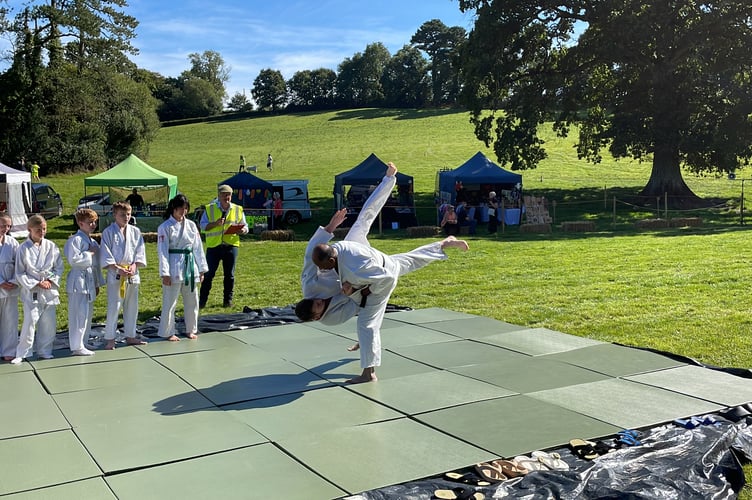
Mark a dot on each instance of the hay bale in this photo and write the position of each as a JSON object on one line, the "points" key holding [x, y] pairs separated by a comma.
{"points": [[686, 222], [578, 226], [423, 231], [149, 237], [278, 235], [535, 228], [652, 224]]}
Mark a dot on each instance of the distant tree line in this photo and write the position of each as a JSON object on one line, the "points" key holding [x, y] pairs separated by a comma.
{"points": [[72, 99]]}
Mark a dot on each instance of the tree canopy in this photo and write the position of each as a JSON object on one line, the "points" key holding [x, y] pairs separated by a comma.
{"points": [[666, 81]]}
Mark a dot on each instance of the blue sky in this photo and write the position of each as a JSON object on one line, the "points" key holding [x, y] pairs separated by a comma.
{"points": [[284, 35]]}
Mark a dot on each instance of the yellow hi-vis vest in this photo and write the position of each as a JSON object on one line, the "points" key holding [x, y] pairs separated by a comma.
{"points": [[216, 236]]}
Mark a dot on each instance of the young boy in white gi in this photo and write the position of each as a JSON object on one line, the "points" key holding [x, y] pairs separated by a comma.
{"points": [[9, 290], [182, 265], [39, 268], [83, 282], [123, 253]]}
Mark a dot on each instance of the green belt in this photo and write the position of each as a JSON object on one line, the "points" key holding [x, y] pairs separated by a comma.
{"points": [[188, 272]]}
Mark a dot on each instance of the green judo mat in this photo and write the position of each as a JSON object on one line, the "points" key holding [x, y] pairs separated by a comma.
{"points": [[265, 412]]}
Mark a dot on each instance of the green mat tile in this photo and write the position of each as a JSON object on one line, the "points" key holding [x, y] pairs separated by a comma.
{"points": [[309, 412], [408, 394], [395, 452], [26, 408], [271, 335], [6, 367], [516, 424], [616, 360], [472, 328], [350, 327], [327, 346], [408, 335], [171, 395], [254, 472], [150, 439], [625, 404], [97, 375], [538, 341], [344, 368], [233, 383], [712, 385], [529, 374], [79, 490], [429, 315], [459, 353], [63, 357], [204, 342], [43, 460], [243, 355]]}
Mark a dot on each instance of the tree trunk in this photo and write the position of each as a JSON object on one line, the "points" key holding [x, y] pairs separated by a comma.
{"points": [[666, 179]]}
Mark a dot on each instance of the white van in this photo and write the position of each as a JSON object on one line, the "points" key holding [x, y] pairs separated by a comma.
{"points": [[295, 201]]}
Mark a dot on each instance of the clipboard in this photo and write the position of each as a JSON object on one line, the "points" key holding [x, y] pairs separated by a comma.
{"points": [[234, 229]]}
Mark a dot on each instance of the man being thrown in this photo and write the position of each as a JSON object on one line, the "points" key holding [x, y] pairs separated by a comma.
{"points": [[363, 271]]}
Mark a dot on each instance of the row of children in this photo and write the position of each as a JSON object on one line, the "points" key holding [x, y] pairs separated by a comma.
{"points": [[32, 271]]}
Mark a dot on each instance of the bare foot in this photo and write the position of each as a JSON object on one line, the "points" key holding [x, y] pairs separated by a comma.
{"points": [[173, 338], [451, 241], [110, 345], [134, 341], [191, 336], [354, 347], [368, 375]]}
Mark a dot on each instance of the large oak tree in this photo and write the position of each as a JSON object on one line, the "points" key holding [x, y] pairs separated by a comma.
{"points": [[667, 81]]}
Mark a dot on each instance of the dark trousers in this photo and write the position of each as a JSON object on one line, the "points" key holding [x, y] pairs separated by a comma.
{"points": [[227, 255]]}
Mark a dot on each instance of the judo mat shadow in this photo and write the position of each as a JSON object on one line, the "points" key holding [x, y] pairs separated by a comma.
{"points": [[266, 410]]}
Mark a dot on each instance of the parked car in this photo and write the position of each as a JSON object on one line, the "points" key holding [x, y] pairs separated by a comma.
{"points": [[45, 201], [99, 202]]}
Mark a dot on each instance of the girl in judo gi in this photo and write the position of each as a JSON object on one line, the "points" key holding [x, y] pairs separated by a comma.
{"points": [[8, 290], [182, 265], [83, 282], [123, 253], [39, 268]]}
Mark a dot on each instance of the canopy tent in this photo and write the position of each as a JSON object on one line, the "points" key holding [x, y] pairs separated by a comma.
{"points": [[248, 190], [155, 186], [15, 197], [474, 179], [368, 174]]}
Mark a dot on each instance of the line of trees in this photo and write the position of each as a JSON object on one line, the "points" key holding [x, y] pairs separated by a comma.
{"points": [[72, 98]]}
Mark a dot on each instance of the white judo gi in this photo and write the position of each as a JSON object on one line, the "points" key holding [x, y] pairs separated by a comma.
{"points": [[362, 265], [181, 257], [322, 284], [35, 264], [122, 249], [84, 277], [8, 298]]}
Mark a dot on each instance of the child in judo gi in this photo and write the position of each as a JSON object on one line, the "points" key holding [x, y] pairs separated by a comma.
{"points": [[83, 282], [123, 253], [39, 268], [9, 290], [182, 265]]}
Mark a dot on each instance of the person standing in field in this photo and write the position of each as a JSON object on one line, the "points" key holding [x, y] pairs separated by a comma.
{"points": [[83, 282], [269, 162], [39, 268], [9, 290], [181, 266], [34, 171], [222, 242], [123, 253]]}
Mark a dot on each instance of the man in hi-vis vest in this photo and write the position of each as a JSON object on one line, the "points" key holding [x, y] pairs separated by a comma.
{"points": [[223, 222]]}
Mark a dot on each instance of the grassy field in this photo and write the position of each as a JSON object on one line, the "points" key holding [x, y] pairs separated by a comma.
{"points": [[684, 290]]}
